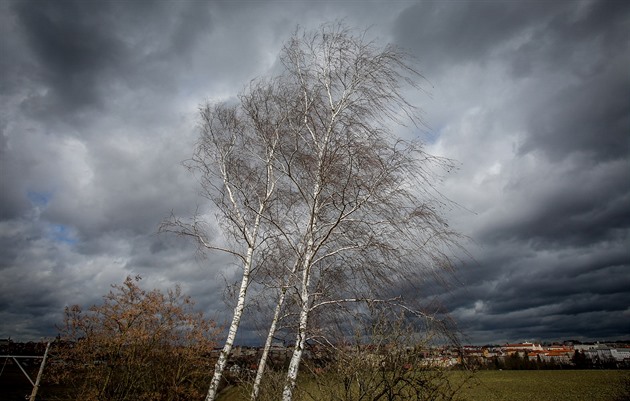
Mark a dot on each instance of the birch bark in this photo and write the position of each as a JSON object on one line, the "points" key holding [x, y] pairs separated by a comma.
{"points": [[262, 363], [235, 157], [300, 341], [252, 240], [229, 341]]}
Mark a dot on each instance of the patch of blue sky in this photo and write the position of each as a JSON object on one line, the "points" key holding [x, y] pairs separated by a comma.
{"points": [[39, 199], [59, 233], [62, 233], [431, 136]]}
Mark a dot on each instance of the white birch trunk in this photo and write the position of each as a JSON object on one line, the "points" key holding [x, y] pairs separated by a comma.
{"points": [[236, 319], [247, 266], [300, 341], [263, 359], [296, 358]]}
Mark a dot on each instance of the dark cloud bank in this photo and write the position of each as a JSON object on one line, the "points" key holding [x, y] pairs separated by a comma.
{"points": [[98, 104]]}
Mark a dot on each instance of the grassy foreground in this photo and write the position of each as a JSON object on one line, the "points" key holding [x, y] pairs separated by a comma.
{"points": [[547, 385], [528, 385]]}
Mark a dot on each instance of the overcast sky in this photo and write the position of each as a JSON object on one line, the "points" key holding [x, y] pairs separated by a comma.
{"points": [[532, 98]]}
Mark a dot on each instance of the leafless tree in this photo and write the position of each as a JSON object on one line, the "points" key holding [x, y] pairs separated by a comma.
{"points": [[390, 356], [359, 210], [315, 190], [235, 161]]}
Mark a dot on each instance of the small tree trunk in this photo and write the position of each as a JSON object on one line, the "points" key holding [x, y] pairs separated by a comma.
{"points": [[229, 341], [300, 341], [296, 358], [272, 331], [263, 359]]}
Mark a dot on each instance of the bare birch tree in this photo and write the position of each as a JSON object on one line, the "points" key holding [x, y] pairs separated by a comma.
{"points": [[234, 157], [359, 207], [314, 188]]}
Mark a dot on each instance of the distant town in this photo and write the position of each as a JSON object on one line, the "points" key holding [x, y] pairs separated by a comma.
{"points": [[525, 355], [532, 355]]}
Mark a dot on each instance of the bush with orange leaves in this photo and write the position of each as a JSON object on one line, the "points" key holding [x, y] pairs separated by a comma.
{"points": [[136, 345]]}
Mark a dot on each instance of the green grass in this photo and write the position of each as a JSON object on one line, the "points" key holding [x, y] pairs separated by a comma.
{"points": [[546, 385], [523, 385]]}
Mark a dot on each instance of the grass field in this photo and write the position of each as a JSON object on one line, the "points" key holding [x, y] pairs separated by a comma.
{"points": [[547, 385], [507, 385], [538, 385]]}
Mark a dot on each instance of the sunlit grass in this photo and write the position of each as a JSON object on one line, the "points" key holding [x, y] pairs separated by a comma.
{"points": [[545, 385], [520, 385]]}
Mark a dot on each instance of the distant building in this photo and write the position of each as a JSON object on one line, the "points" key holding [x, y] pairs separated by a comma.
{"points": [[608, 354], [557, 356], [521, 347], [620, 354]]}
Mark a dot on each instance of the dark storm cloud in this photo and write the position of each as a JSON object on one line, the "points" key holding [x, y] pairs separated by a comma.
{"points": [[561, 212], [590, 114], [443, 33], [88, 103], [581, 37], [92, 73], [551, 188], [533, 293], [590, 117], [528, 327], [82, 49], [559, 293], [74, 48], [585, 39], [98, 111]]}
